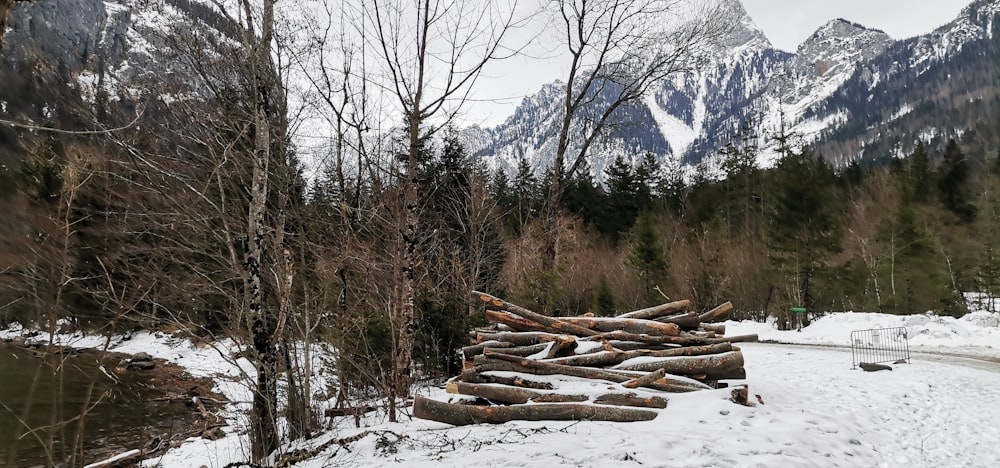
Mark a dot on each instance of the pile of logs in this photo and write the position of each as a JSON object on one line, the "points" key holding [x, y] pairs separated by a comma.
{"points": [[527, 365]]}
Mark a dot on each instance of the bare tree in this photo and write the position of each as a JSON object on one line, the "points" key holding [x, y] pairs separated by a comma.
{"points": [[618, 51], [432, 52]]}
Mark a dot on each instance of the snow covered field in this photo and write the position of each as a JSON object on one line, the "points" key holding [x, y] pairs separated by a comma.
{"points": [[937, 411]]}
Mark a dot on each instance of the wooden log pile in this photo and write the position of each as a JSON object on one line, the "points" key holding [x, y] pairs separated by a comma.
{"points": [[529, 366]]}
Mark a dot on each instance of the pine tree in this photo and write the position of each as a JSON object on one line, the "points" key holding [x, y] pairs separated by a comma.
{"points": [[646, 256], [605, 299], [954, 181]]}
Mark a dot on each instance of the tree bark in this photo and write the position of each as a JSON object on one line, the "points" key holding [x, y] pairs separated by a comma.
{"points": [[462, 415], [716, 312], [646, 379], [538, 367], [477, 349], [471, 376], [683, 340], [602, 359], [513, 395], [713, 367], [658, 311], [687, 321], [558, 325], [639, 326], [517, 338], [718, 328]]}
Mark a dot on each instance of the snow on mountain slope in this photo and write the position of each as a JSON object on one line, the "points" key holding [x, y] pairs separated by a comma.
{"points": [[843, 84]]}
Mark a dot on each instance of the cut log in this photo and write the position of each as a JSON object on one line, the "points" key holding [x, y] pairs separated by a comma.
{"points": [[719, 328], [515, 322], [658, 311], [511, 395], [669, 383], [631, 399], [687, 321], [517, 338], [477, 349], [716, 312], [682, 340], [634, 345], [555, 324], [713, 367], [461, 415], [562, 346], [646, 379], [602, 359], [471, 376], [638, 326]]}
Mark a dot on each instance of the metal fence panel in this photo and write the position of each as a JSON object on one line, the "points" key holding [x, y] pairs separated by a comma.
{"points": [[879, 345]]}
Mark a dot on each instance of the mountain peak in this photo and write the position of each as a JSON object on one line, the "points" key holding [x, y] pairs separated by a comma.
{"points": [[746, 33]]}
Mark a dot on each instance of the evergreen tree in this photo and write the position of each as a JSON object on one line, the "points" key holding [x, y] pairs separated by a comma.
{"points": [[954, 183], [605, 299], [646, 256], [622, 207], [804, 226]]}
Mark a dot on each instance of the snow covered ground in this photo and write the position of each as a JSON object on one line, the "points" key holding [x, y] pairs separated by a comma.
{"points": [[937, 411]]}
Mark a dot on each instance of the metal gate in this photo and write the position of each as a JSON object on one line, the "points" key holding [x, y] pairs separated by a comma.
{"points": [[879, 345]]}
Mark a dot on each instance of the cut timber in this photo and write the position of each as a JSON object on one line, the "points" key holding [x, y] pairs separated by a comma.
{"points": [[462, 415], [477, 349], [685, 339], [716, 312], [517, 338], [555, 324], [634, 345], [667, 384], [639, 326], [646, 379], [563, 345], [471, 376], [687, 321], [658, 311], [712, 367], [630, 399], [714, 327], [513, 395], [601, 359], [515, 322]]}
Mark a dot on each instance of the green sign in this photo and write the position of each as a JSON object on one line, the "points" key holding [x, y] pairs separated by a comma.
{"points": [[799, 310]]}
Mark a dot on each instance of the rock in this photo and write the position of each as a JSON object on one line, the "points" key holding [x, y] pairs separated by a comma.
{"points": [[869, 367], [141, 357], [141, 365]]}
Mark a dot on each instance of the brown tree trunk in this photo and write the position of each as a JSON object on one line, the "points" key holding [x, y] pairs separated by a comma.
{"points": [[544, 368], [517, 338], [638, 326], [716, 312], [558, 325], [712, 367], [461, 415], [658, 311], [512, 395], [687, 321], [472, 376], [602, 359]]}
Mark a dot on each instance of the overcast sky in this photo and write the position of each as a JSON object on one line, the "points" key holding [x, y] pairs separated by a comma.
{"points": [[785, 22]]}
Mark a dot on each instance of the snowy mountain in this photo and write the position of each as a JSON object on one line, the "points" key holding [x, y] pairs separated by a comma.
{"points": [[849, 91]]}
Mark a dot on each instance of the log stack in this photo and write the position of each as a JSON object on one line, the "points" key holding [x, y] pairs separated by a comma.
{"points": [[530, 366]]}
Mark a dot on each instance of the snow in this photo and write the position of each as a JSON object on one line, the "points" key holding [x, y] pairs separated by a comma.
{"points": [[817, 411]]}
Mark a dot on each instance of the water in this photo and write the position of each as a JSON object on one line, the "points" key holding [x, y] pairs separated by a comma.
{"points": [[42, 397]]}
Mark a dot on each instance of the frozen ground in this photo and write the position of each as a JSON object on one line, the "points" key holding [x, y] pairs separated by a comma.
{"points": [[937, 411]]}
